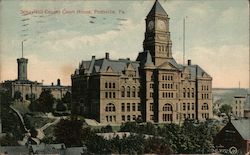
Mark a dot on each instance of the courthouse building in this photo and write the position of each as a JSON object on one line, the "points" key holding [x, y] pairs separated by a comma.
{"points": [[154, 88]]}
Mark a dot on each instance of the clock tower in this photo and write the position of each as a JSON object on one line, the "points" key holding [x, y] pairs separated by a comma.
{"points": [[157, 36]]}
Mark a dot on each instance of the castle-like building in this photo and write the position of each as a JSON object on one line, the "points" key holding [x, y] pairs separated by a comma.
{"points": [[31, 89], [154, 88]]}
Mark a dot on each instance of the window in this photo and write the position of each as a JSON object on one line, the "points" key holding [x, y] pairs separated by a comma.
{"points": [[110, 107], [151, 94], [151, 107], [113, 85], [184, 106], [188, 106], [123, 117], [110, 94], [123, 107], [151, 117], [133, 107], [134, 117], [167, 107], [123, 91], [128, 106], [106, 85], [109, 85], [128, 91], [192, 115], [106, 94], [192, 106], [133, 92], [204, 106], [167, 117], [128, 118], [113, 94], [139, 107]]}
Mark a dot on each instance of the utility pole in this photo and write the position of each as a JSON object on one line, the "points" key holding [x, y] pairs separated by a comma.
{"points": [[184, 41]]}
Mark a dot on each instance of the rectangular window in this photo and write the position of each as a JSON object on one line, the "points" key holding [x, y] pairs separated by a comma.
{"points": [[128, 118], [134, 117], [106, 94], [128, 106], [151, 107], [151, 117], [188, 106], [123, 107], [133, 107], [123, 117], [133, 94], [184, 106], [110, 94], [139, 107], [151, 94], [192, 106], [113, 94]]}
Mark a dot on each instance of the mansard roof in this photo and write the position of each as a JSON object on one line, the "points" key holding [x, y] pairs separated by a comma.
{"points": [[107, 65], [157, 9], [200, 72]]}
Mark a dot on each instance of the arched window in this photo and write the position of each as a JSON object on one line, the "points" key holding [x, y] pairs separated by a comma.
{"points": [[167, 115], [204, 106], [167, 107], [133, 92], [128, 91], [110, 107], [123, 91]]}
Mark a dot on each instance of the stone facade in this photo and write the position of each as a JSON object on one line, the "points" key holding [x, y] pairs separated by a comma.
{"points": [[238, 106], [153, 88]]}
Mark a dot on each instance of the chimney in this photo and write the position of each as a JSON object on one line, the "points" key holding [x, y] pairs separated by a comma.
{"points": [[189, 62], [107, 55], [58, 82], [93, 57]]}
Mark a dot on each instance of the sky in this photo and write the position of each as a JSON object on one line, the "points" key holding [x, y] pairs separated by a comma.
{"points": [[59, 34]]}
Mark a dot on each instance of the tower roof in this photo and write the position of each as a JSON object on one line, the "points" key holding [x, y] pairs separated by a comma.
{"points": [[157, 9]]}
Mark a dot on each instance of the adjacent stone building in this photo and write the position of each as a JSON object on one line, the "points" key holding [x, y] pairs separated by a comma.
{"points": [[154, 88], [31, 89]]}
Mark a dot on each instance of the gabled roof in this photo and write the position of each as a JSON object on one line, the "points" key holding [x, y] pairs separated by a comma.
{"points": [[107, 65], [157, 9], [243, 127]]}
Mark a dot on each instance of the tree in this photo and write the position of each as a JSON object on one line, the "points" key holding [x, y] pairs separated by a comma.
{"points": [[60, 106], [17, 95], [69, 132], [44, 103], [67, 99], [8, 140], [107, 129], [227, 109]]}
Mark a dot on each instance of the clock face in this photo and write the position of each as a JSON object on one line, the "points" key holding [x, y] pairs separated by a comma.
{"points": [[161, 25], [151, 25]]}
